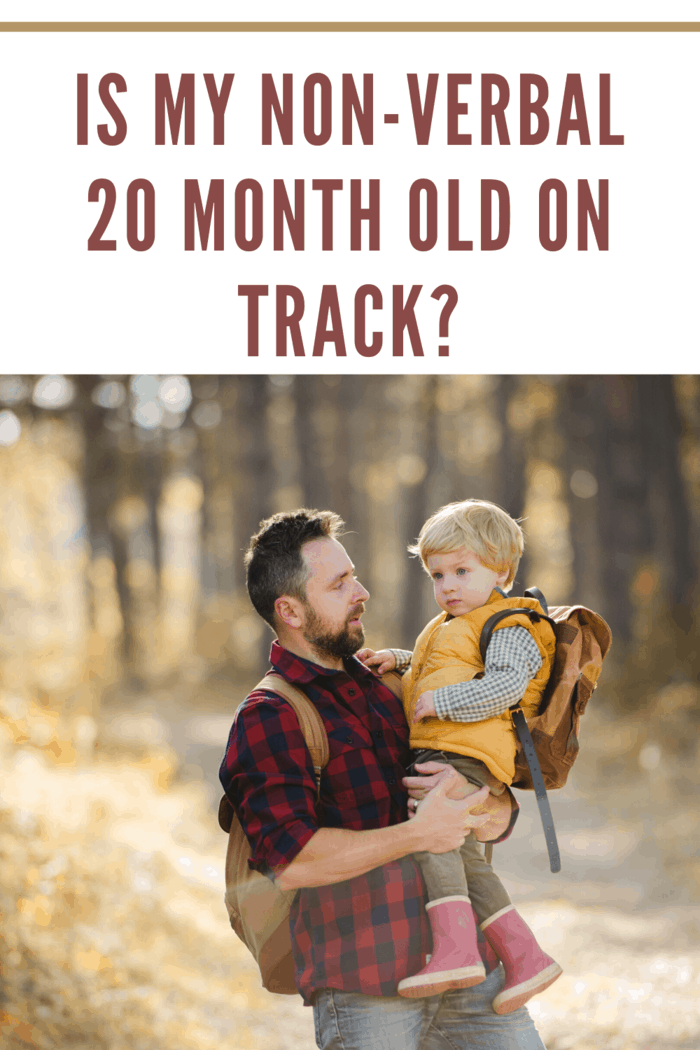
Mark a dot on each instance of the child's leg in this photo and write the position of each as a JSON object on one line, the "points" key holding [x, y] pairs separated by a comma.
{"points": [[486, 891], [455, 961], [528, 969], [443, 874]]}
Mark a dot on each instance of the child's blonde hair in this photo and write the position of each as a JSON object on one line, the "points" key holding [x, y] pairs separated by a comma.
{"points": [[482, 527]]}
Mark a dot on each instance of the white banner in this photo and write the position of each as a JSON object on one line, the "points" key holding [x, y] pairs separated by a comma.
{"points": [[351, 201]]}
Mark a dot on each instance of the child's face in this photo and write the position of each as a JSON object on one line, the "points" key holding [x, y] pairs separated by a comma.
{"points": [[462, 582]]}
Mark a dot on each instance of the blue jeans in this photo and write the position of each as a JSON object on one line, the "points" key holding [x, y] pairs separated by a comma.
{"points": [[460, 1020]]}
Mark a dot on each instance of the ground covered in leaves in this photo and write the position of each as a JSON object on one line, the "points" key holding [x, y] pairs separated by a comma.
{"points": [[113, 933]]}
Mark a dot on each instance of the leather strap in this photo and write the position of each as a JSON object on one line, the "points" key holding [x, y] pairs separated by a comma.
{"points": [[521, 726], [525, 738], [310, 721], [488, 628], [536, 593]]}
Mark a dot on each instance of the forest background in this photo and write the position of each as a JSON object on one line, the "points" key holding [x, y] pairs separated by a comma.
{"points": [[127, 640]]}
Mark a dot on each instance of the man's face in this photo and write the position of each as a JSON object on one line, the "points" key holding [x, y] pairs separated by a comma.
{"points": [[334, 600], [461, 580]]}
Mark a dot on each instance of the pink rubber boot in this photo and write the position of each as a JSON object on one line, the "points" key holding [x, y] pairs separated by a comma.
{"points": [[455, 962], [528, 969], [488, 955]]}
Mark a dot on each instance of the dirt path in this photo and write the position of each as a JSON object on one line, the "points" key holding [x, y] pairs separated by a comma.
{"points": [[115, 935]]}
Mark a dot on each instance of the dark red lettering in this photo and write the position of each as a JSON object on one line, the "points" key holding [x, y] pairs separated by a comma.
{"points": [[140, 244], [453, 242], [219, 102], [119, 134], [364, 114], [414, 217], [214, 209], [329, 310], [288, 322], [573, 97], [494, 111], [82, 109], [456, 109], [282, 210], [599, 219], [253, 292], [95, 242], [422, 114], [321, 81], [327, 188], [403, 316], [361, 295], [358, 215], [248, 244], [556, 243], [489, 243], [606, 139], [175, 108], [530, 107], [283, 112]]}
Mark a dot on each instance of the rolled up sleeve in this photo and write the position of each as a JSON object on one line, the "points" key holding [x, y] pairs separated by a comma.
{"points": [[268, 776]]}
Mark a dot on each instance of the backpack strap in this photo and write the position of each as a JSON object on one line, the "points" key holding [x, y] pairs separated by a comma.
{"points": [[536, 593], [550, 835], [310, 723], [532, 615], [522, 730], [392, 680]]}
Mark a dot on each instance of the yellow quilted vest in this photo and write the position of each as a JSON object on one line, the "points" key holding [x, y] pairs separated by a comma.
{"points": [[447, 652]]}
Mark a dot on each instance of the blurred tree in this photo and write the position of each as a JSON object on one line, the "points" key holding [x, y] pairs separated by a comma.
{"points": [[605, 470], [630, 518]]}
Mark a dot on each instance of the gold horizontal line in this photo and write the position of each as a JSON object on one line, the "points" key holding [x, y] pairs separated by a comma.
{"points": [[349, 27]]}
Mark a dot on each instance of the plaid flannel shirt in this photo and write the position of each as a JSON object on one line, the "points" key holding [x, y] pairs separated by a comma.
{"points": [[367, 933]]}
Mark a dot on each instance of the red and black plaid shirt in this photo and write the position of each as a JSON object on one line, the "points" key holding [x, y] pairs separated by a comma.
{"points": [[364, 934], [367, 933]]}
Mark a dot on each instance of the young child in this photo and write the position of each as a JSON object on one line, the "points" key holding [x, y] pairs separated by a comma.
{"points": [[457, 708]]}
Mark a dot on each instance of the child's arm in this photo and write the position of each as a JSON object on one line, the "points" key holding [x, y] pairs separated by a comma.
{"points": [[384, 660], [512, 659]]}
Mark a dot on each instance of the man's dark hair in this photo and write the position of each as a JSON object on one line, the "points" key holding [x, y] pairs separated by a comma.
{"points": [[274, 560]]}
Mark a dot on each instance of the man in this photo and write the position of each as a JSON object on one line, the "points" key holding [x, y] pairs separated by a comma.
{"points": [[358, 921]]}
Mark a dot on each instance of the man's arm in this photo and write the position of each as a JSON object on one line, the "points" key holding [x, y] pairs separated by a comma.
{"points": [[512, 659], [268, 775], [334, 854]]}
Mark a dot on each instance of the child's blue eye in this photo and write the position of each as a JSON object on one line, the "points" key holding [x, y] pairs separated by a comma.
{"points": [[437, 576], [461, 572]]}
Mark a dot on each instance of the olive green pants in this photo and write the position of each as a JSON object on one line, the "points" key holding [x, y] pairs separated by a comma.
{"points": [[463, 872]]}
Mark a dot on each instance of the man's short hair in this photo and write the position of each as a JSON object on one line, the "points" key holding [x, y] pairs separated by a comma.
{"points": [[483, 528], [274, 562]]}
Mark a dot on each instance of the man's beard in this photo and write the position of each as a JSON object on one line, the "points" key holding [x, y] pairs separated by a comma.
{"points": [[336, 644]]}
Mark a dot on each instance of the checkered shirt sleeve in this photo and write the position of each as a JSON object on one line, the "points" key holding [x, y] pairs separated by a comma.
{"points": [[403, 659], [512, 659]]}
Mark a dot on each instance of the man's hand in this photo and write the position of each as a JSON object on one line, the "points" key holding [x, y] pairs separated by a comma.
{"points": [[380, 662], [446, 822], [432, 773], [425, 706]]}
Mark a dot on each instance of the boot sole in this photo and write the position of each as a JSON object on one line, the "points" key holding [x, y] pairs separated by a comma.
{"points": [[511, 999], [419, 987]]}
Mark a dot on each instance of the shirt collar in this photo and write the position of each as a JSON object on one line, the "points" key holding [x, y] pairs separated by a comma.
{"points": [[297, 669]]}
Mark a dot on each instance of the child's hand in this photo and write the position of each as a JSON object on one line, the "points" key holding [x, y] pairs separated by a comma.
{"points": [[380, 662], [424, 706]]}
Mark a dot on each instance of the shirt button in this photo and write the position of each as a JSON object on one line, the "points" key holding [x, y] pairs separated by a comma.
{"points": [[379, 735], [352, 692], [391, 780], [348, 739]]}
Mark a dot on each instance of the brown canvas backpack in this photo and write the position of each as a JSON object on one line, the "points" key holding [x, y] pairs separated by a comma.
{"points": [[258, 910], [548, 742]]}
